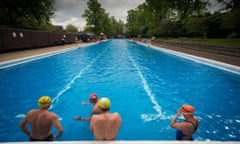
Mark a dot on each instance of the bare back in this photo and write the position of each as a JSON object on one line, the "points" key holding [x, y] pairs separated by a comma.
{"points": [[41, 122], [105, 126], [188, 127]]}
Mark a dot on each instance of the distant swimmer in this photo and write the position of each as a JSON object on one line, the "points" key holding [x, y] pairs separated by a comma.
{"points": [[105, 125], [93, 98], [41, 122], [187, 127]]}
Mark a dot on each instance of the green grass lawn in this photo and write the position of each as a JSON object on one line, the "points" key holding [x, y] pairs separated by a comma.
{"points": [[234, 42]]}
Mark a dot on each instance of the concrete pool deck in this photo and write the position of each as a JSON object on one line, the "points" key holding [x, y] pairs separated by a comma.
{"points": [[31, 52]]}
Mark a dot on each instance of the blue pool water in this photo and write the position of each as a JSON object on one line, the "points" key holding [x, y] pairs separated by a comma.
{"points": [[146, 86]]}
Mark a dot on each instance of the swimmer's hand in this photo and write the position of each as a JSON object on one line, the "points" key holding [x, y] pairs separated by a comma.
{"points": [[85, 103], [77, 118], [81, 118]]}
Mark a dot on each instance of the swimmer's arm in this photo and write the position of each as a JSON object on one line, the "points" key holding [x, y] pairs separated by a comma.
{"points": [[58, 125], [85, 119], [23, 126], [81, 118], [85, 103], [91, 123], [119, 119], [174, 123]]}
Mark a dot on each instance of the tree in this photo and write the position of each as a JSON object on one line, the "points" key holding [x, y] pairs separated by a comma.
{"points": [[115, 27], [139, 21], [196, 26], [26, 13], [132, 28], [95, 15], [186, 8], [230, 19], [71, 28], [98, 21]]}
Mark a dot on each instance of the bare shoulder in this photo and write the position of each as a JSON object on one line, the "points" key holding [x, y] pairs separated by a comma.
{"points": [[116, 115], [53, 115], [31, 112], [93, 118]]}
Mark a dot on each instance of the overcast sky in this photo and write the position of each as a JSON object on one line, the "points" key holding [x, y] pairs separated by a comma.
{"points": [[70, 11]]}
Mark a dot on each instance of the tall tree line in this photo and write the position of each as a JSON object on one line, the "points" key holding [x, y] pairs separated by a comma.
{"points": [[180, 18]]}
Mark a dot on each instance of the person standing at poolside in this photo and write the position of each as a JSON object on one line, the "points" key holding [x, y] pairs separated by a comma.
{"points": [[41, 122], [105, 125], [93, 98], [187, 127]]}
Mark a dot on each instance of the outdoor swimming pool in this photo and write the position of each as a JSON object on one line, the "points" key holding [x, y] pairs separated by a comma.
{"points": [[146, 86]]}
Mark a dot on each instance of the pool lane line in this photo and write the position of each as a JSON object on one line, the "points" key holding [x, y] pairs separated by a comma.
{"points": [[68, 85], [157, 107]]}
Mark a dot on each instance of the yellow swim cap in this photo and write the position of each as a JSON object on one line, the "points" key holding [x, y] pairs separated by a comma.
{"points": [[104, 103], [44, 102]]}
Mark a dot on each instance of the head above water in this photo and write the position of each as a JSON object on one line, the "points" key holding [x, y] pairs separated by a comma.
{"points": [[93, 98], [104, 103], [187, 109], [44, 102]]}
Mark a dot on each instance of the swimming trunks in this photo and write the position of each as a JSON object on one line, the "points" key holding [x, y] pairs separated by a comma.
{"points": [[49, 138]]}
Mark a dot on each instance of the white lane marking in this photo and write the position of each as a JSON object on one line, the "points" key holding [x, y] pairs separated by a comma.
{"points": [[157, 107], [68, 85]]}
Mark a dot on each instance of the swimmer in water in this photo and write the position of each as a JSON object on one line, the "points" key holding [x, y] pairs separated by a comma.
{"points": [[93, 98], [105, 125], [41, 122], [187, 127]]}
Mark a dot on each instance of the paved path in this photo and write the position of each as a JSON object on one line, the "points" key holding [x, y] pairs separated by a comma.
{"points": [[26, 53]]}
